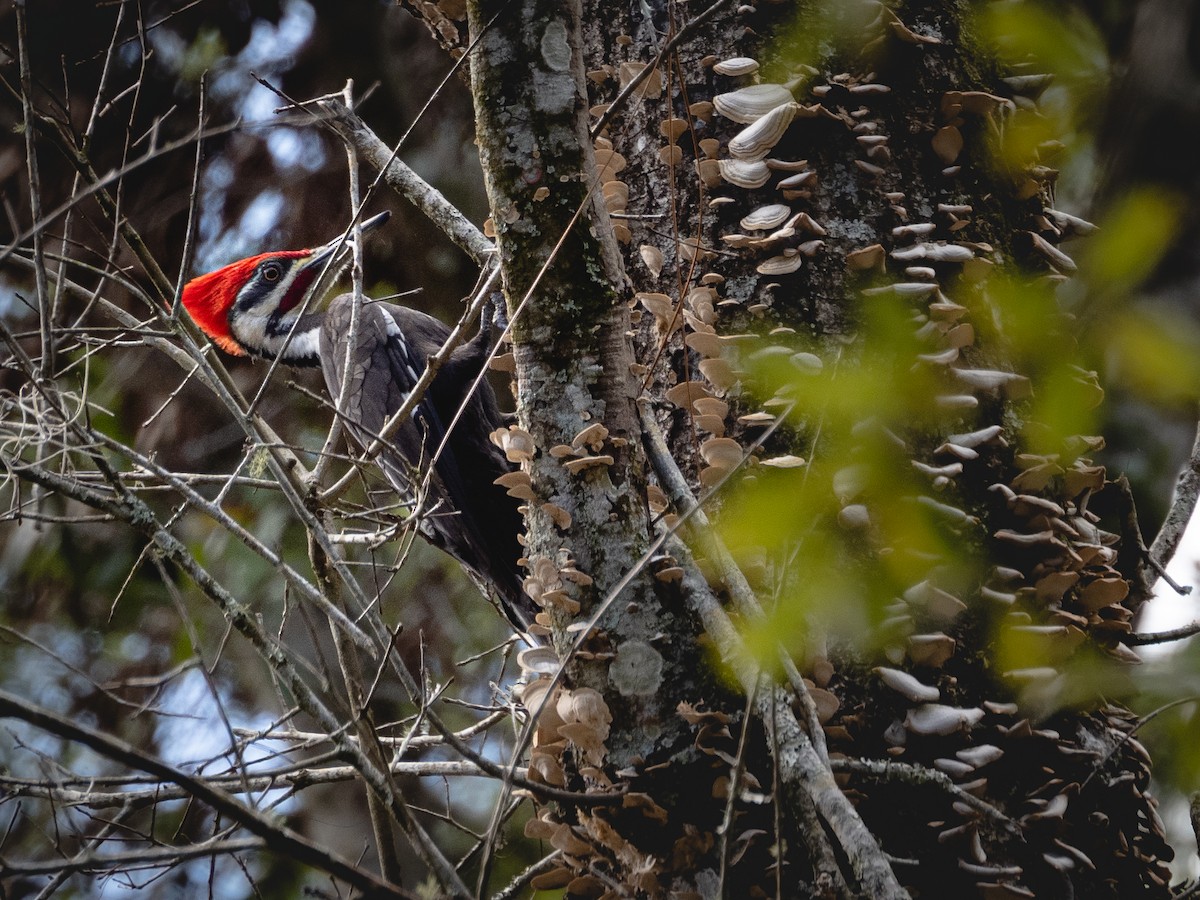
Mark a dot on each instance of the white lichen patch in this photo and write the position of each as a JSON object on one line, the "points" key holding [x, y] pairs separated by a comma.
{"points": [[556, 51], [637, 670]]}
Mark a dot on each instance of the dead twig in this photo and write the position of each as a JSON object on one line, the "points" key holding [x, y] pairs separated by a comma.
{"points": [[1183, 504], [276, 836]]}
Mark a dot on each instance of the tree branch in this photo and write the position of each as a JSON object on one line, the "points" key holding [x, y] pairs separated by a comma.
{"points": [[906, 773], [278, 837], [1183, 504], [1141, 639], [806, 779], [293, 777], [344, 122], [142, 858], [680, 495]]}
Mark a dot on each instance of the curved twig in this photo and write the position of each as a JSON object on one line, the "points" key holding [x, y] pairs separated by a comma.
{"points": [[1183, 504], [278, 837], [634, 83], [907, 773]]}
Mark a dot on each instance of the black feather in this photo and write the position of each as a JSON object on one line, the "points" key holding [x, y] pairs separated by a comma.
{"points": [[476, 521]]}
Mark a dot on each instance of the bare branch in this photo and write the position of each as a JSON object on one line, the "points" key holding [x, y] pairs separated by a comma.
{"points": [[142, 858], [906, 773], [680, 494], [35, 198], [521, 881], [1183, 504], [294, 778], [1142, 639], [805, 777], [189, 238], [337, 116], [276, 836]]}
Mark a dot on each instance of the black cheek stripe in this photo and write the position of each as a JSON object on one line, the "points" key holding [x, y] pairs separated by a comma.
{"points": [[252, 295]]}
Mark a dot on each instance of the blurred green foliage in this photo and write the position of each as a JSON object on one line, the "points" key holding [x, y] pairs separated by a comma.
{"points": [[837, 543]]}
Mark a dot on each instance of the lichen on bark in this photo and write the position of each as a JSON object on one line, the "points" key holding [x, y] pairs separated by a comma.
{"points": [[573, 356]]}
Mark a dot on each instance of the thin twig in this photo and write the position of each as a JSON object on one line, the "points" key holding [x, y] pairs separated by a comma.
{"points": [[351, 342], [907, 773], [418, 741], [1130, 735], [805, 778], [669, 47], [46, 366], [1144, 638], [676, 487], [292, 777], [277, 836], [133, 860], [189, 235], [522, 880], [1183, 504], [734, 789]]}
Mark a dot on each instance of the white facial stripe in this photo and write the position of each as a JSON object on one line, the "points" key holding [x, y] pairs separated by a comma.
{"points": [[249, 328], [304, 344]]}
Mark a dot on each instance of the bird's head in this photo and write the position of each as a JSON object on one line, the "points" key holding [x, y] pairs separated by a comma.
{"points": [[250, 307]]}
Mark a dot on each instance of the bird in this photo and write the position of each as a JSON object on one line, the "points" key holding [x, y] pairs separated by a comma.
{"points": [[260, 306]]}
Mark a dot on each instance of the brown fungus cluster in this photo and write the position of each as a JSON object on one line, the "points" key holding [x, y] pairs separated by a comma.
{"points": [[1055, 592]]}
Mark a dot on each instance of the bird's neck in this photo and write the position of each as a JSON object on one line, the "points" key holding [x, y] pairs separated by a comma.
{"points": [[295, 343]]}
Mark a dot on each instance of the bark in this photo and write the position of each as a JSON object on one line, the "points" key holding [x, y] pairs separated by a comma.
{"points": [[565, 284], [894, 142]]}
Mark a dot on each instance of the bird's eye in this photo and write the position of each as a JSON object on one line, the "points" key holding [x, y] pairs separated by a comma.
{"points": [[271, 271]]}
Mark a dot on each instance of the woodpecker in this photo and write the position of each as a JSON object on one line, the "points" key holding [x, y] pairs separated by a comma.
{"points": [[256, 307]]}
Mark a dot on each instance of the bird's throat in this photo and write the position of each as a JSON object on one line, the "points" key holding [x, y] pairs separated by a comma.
{"points": [[282, 337]]}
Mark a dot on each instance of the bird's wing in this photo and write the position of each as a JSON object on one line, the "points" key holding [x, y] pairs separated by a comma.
{"points": [[383, 369], [473, 520]]}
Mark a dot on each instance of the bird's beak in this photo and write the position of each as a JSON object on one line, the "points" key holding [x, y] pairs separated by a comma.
{"points": [[331, 260]]}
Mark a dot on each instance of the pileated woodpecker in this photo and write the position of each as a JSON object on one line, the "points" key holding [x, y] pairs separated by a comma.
{"points": [[254, 307]]}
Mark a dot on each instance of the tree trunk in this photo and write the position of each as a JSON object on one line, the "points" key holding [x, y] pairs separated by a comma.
{"points": [[909, 237]]}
